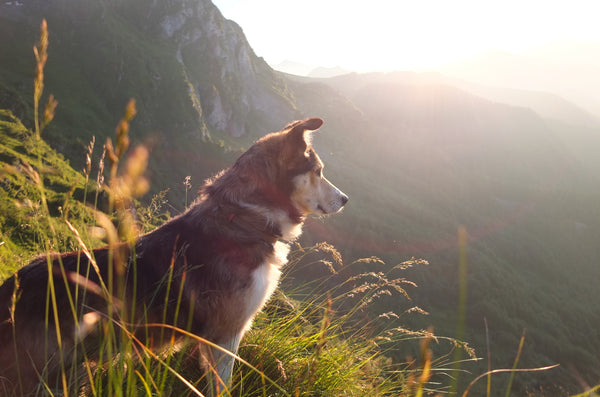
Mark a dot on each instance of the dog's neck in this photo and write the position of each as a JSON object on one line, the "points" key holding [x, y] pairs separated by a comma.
{"points": [[244, 197], [269, 225]]}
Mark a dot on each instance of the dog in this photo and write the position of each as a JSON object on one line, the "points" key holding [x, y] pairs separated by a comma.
{"points": [[218, 262]]}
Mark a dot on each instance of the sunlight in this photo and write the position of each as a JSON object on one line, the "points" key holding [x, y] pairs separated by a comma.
{"points": [[388, 35]]}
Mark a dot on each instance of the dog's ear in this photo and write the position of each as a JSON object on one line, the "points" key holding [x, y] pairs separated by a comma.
{"points": [[297, 135], [310, 124]]}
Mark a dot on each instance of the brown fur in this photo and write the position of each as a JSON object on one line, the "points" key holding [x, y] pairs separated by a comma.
{"points": [[222, 258]]}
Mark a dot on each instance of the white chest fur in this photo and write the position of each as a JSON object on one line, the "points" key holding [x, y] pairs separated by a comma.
{"points": [[265, 279]]}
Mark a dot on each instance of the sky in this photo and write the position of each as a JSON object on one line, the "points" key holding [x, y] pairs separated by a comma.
{"points": [[381, 35]]}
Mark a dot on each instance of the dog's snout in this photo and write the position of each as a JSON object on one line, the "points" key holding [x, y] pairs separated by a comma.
{"points": [[344, 199]]}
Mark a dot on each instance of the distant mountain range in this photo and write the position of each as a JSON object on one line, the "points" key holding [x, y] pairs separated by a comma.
{"points": [[569, 70], [301, 69], [420, 154]]}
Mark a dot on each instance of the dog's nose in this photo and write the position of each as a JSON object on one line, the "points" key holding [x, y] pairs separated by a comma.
{"points": [[344, 199]]}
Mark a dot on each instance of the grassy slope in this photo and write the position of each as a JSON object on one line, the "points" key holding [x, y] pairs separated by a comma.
{"points": [[20, 213]]}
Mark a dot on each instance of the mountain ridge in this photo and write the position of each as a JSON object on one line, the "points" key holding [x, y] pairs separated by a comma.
{"points": [[569, 79]]}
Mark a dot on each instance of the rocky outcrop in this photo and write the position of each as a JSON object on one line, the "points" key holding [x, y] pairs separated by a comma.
{"points": [[192, 71], [239, 93]]}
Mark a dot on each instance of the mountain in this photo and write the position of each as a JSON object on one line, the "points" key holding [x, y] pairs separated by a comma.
{"points": [[420, 155], [323, 72], [184, 50], [294, 68], [547, 105], [576, 130], [194, 76], [302, 69], [566, 69]]}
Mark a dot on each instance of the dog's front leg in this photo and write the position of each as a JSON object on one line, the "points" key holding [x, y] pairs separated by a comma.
{"points": [[223, 363]]}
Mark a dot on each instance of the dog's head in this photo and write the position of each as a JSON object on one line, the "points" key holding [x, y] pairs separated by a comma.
{"points": [[280, 171], [302, 177]]}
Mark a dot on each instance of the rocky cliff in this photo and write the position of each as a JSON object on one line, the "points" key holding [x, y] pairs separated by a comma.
{"points": [[192, 72], [233, 89]]}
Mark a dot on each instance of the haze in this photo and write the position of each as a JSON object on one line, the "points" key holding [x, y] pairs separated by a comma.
{"points": [[551, 46]]}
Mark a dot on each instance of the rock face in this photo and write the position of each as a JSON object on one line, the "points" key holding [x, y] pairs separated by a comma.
{"points": [[237, 90], [191, 70]]}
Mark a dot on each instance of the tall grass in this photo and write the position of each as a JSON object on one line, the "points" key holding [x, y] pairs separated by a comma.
{"points": [[321, 339]]}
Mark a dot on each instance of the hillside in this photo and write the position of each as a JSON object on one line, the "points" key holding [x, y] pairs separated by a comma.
{"points": [[20, 214], [435, 157], [418, 156]]}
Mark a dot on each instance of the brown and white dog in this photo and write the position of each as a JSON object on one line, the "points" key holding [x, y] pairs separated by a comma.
{"points": [[218, 262]]}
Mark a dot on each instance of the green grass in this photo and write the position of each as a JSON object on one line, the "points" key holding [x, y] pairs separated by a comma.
{"points": [[22, 216]]}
